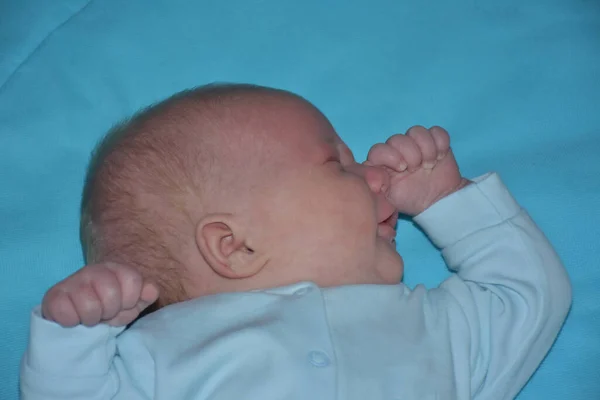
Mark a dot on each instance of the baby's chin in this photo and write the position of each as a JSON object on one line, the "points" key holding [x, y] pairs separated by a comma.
{"points": [[389, 265]]}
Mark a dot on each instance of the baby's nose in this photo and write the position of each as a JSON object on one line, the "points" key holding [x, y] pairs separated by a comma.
{"points": [[377, 179]]}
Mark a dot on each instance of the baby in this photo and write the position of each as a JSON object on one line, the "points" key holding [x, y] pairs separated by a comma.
{"points": [[268, 254]]}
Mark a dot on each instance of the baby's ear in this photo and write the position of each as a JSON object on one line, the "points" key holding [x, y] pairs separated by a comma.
{"points": [[222, 243]]}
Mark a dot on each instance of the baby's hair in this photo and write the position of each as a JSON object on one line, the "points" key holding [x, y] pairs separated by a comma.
{"points": [[142, 177]]}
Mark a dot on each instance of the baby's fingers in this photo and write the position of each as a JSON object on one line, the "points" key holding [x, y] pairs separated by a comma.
{"points": [[148, 296], [385, 155], [427, 146], [88, 304], [108, 289], [442, 141], [130, 281], [58, 307], [408, 150]]}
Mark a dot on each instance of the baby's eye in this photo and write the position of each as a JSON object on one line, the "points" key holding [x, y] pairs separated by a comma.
{"points": [[336, 164]]}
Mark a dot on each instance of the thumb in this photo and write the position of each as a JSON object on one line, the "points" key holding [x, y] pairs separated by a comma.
{"points": [[148, 296]]}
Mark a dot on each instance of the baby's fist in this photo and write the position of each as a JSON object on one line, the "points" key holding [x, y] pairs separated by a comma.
{"points": [[422, 168], [101, 293]]}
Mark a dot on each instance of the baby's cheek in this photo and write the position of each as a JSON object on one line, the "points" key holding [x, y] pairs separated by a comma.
{"points": [[365, 210], [367, 226], [361, 231]]}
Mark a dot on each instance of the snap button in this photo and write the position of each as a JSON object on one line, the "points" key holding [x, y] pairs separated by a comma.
{"points": [[318, 359], [301, 292]]}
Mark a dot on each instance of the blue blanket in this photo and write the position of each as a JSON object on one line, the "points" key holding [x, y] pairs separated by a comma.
{"points": [[516, 83]]}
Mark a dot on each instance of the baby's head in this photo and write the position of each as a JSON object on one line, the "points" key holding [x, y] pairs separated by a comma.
{"points": [[236, 187]]}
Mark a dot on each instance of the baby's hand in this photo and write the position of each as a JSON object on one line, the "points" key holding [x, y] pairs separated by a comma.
{"points": [[101, 293], [422, 168]]}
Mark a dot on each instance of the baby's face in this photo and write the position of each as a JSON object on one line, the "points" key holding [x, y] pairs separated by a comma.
{"points": [[324, 217]]}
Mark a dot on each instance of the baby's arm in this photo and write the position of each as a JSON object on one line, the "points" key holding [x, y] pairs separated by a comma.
{"points": [[72, 343], [510, 294]]}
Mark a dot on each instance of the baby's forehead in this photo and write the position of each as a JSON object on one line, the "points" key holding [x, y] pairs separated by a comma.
{"points": [[268, 128], [285, 124]]}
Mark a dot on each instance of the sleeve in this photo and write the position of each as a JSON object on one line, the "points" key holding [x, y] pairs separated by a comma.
{"points": [[69, 363], [510, 293]]}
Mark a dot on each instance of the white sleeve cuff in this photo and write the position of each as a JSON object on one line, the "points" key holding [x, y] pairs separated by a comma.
{"points": [[486, 202], [76, 351]]}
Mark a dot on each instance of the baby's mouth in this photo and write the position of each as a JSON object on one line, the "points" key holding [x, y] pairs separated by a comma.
{"points": [[386, 232], [386, 228]]}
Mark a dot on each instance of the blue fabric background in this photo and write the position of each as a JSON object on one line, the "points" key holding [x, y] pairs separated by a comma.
{"points": [[516, 83]]}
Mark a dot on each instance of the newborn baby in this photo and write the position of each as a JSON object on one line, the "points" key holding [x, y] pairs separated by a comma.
{"points": [[268, 255]]}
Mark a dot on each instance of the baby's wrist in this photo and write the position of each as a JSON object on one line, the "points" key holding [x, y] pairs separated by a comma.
{"points": [[463, 183]]}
